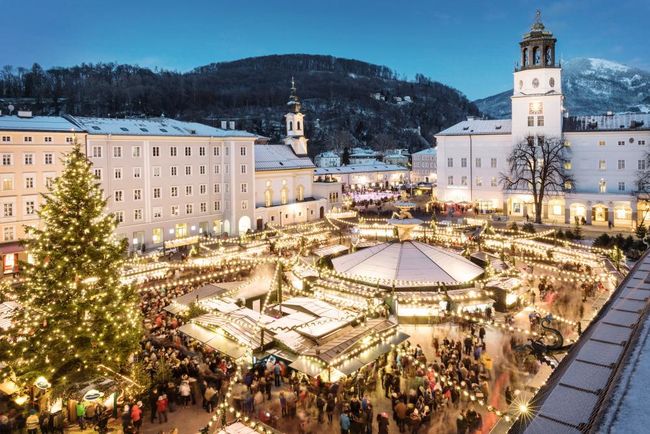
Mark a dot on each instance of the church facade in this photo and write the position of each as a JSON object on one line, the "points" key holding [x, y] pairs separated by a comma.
{"points": [[606, 152]]}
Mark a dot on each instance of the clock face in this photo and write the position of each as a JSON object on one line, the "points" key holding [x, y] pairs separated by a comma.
{"points": [[551, 82], [535, 82]]}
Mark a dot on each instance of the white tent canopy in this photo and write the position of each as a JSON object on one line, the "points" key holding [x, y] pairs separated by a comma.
{"points": [[408, 261]]}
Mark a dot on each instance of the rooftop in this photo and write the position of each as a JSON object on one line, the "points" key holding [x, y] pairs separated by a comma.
{"points": [[359, 168], [608, 122], [478, 127], [279, 157], [428, 151], [37, 123], [153, 127]]}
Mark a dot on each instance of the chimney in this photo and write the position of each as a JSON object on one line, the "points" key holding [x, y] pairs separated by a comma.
{"points": [[224, 125], [25, 113], [231, 125]]}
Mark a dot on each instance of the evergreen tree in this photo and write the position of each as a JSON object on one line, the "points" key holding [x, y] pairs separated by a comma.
{"points": [[345, 158], [76, 314]]}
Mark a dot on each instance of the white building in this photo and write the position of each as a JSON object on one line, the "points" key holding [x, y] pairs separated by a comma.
{"points": [[167, 179], [398, 157], [606, 151], [357, 176], [327, 159], [423, 166], [285, 191], [364, 156]]}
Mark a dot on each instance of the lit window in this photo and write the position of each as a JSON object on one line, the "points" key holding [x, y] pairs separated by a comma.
{"points": [[602, 165], [531, 121], [479, 181], [602, 143], [602, 186], [567, 165]]}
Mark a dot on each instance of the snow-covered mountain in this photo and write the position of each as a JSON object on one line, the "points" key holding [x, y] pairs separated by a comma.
{"points": [[591, 86]]}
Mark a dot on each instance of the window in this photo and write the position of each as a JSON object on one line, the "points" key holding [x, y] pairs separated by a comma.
{"points": [[216, 169], [189, 208], [217, 188], [7, 159], [493, 163], [284, 196], [540, 121], [641, 142], [243, 169], [117, 173], [119, 216], [244, 204], [188, 151], [155, 151], [463, 180], [137, 194], [602, 165], [27, 139], [28, 159], [47, 139], [156, 192], [203, 189], [156, 171], [30, 207], [173, 192], [188, 170], [49, 158], [98, 173], [174, 210], [49, 182], [479, 181], [203, 206], [6, 139], [97, 152], [621, 186], [172, 151], [602, 143], [117, 152], [29, 182], [157, 212], [242, 151], [137, 214], [201, 170], [567, 165], [463, 162], [602, 186], [477, 162], [227, 188], [188, 190], [202, 151], [217, 205], [641, 164], [135, 152], [531, 121], [8, 209], [137, 172], [8, 233], [69, 139], [621, 164], [493, 181], [173, 170], [7, 183], [621, 143], [119, 196], [450, 180], [244, 188], [268, 198], [300, 194], [215, 151], [450, 162]]}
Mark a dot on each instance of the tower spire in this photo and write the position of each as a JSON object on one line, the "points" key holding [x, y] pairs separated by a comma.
{"points": [[294, 101]]}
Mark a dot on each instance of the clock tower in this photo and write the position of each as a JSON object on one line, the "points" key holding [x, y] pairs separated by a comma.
{"points": [[537, 98], [295, 124]]}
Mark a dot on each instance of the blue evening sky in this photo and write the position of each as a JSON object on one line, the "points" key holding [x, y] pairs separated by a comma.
{"points": [[471, 45]]}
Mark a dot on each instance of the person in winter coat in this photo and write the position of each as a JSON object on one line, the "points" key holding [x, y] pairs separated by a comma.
{"points": [[329, 407], [136, 416], [32, 422], [400, 415], [161, 408], [185, 391], [415, 421], [461, 424], [126, 419], [383, 422]]}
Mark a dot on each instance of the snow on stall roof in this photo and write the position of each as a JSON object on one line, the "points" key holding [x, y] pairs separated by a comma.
{"points": [[478, 127], [154, 127], [37, 123], [359, 168], [279, 157]]}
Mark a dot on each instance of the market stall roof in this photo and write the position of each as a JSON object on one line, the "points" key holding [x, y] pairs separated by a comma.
{"points": [[197, 332], [353, 364], [330, 250], [316, 307], [206, 291], [408, 261]]}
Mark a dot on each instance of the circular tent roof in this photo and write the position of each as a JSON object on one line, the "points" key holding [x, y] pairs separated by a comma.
{"points": [[410, 261]]}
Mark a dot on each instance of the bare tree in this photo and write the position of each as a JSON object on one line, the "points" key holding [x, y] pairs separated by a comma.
{"points": [[538, 166]]}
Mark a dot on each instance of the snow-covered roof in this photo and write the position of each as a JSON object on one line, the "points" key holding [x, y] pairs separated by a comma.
{"points": [[363, 152], [428, 151], [37, 123], [359, 168], [613, 122], [279, 157], [154, 127], [408, 261], [327, 154], [478, 126]]}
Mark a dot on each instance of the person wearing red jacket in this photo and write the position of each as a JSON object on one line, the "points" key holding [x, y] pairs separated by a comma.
{"points": [[136, 416], [161, 408]]}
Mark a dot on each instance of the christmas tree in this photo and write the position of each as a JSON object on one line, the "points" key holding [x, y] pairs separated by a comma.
{"points": [[77, 316]]}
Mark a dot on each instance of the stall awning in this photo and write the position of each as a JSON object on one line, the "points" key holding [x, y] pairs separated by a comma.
{"points": [[304, 365], [8, 248], [197, 332], [216, 341], [330, 250], [352, 365]]}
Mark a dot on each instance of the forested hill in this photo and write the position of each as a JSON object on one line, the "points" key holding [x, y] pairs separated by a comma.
{"points": [[347, 102]]}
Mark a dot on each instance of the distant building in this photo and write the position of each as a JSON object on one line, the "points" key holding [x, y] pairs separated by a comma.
{"points": [[328, 159], [364, 156], [423, 166], [398, 157], [369, 175]]}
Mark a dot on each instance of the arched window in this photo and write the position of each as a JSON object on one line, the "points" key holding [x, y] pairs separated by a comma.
{"points": [[284, 196], [300, 193], [268, 197], [290, 125], [298, 125], [549, 56], [524, 60], [537, 56]]}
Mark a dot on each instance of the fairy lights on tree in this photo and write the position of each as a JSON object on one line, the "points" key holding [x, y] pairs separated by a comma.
{"points": [[76, 315]]}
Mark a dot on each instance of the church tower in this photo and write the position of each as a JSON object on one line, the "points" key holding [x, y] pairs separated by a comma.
{"points": [[295, 124], [537, 100]]}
